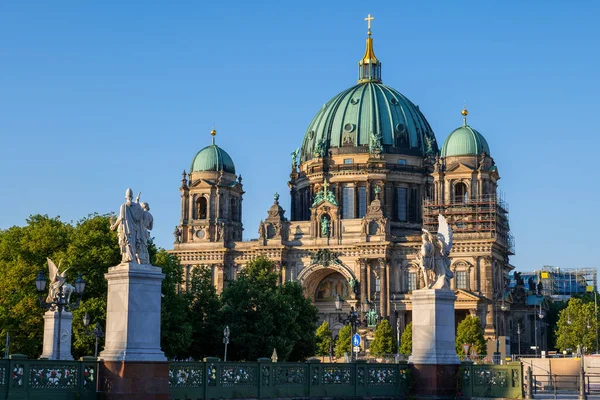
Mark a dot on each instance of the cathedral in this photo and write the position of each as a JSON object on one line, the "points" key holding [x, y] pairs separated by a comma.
{"points": [[368, 177]]}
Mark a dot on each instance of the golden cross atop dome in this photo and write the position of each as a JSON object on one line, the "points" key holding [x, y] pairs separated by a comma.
{"points": [[369, 19]]}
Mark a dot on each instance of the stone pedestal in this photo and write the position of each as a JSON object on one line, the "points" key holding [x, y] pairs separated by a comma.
{"points": [[132, 363], [121, 380], [55, 337], [434, 361], [133, 314]]}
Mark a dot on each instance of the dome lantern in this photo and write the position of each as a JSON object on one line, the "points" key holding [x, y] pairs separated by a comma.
{"points": [[369, 67]]}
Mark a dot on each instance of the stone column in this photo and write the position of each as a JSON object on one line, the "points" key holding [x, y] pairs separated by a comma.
{"points": [[434, 362], [363, 279], [356, 200], [55, 337], [383, 286], [220, 277], [292, 204], [184, 197], [133, 365]]}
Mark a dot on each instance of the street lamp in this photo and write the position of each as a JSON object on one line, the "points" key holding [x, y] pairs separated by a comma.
{"points": [[541, 316], [351, 319], [397, 324], [226, 341], [499, 294], [97, 331], [519, 337], [60, 301]]}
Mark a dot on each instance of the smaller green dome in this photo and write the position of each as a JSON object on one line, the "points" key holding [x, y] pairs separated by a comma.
{"points": [[465, 141], [212, 158]]}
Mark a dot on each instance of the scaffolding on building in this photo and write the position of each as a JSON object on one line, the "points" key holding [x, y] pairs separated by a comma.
{"points": [[562, 283], [482, 217]]}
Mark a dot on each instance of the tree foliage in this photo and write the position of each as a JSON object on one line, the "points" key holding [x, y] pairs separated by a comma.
{"points": [[343, 342], [205, 315], [323, 337], [176, 327], [577, 325], [87, 247], [406, 340], [263, 316], [383, 342], [469, 331]]}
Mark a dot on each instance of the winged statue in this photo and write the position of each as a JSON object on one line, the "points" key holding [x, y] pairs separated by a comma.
{"points": [[58, 280], [434, 256]]}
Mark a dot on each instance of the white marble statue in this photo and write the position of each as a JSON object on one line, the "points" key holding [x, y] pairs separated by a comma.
{"points": [[58, 280], [147, 223], [434, 256], [131, 229]]}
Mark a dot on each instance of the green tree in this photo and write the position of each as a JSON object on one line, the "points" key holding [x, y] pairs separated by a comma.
{"points": [[176, 327], [343, 342], [383, 343], [23, 252], [469, 331], [552, 320], [576, 326], [324, 339], [406, 340], [205, 315], [262, 315]]}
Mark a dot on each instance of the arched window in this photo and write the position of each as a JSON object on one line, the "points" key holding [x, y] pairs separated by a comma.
{"points": [[460, 193], [201, 208]]}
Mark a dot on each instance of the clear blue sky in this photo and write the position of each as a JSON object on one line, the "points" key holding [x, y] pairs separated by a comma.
{"points": [[99, 96]]}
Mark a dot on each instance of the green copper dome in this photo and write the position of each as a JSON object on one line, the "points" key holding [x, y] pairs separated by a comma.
{"points": [[369, 117], [465, 141], [212, 158], [370, 108]]}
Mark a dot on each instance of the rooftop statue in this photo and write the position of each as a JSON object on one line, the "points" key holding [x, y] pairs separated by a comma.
{"points": [[375, 145], [132, 225], [295, 157], [58, 280], [434, 256]]}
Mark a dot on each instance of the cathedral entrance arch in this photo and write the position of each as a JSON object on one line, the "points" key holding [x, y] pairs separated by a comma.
{"points": [[325, 283]]}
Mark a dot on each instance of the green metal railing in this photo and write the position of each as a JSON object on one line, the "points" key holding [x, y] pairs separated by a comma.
{"points": [[486, 380], [21, 378], [265, 379]]}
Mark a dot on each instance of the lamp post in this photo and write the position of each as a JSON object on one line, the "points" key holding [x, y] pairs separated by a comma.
{"points": [[519, 337], [97, 331], [351, 319], [500, 294], [397, 324], [59, 302], [225, 341], [541, 316]]}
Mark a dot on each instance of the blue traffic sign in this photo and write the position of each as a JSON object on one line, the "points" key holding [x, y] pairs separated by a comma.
{"points": [[356, 340]]}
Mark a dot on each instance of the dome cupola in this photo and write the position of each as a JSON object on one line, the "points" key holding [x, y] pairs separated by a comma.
{"points": [[369, 116], [465, 141], [212, 158]]}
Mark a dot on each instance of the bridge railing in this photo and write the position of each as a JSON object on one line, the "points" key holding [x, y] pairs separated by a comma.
{"points": [[23, 378], [484, 380], [265, 379]]}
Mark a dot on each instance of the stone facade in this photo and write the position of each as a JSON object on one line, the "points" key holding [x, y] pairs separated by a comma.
{"points": [[377, 249], [365, 185]]}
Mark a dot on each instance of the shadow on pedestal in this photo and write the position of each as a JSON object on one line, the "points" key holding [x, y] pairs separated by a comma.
{"points": [[434, 381], [131, 380]]}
